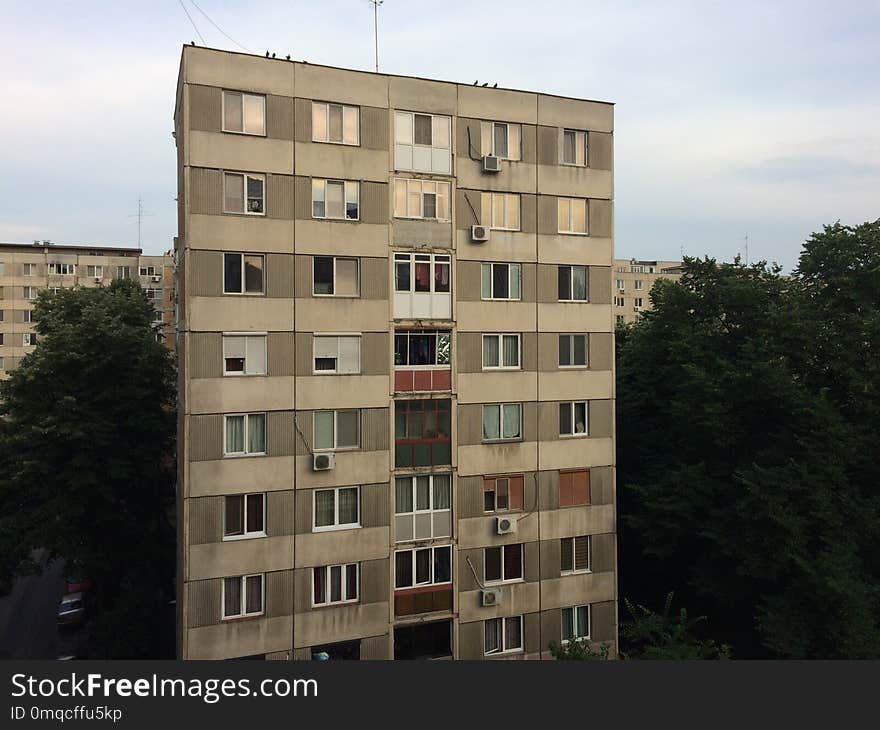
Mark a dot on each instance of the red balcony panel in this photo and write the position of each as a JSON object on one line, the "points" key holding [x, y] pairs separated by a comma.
{"points": [[422, 379], [442, 379], [403, 380]]}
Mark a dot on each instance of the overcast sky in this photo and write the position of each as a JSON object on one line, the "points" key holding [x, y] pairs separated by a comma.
{"points": [[732, 119]]}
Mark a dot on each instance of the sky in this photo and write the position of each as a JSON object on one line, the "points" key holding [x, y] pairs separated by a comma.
{"points": [[755, 119]]}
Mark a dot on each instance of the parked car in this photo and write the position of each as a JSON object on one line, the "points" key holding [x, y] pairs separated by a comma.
{"points": [[78, 585], [72, 609]]}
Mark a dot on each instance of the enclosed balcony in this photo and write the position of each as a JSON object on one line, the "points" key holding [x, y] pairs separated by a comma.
{"points": [[422, 360]]}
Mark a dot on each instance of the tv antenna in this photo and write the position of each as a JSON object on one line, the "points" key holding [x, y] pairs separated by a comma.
{"points": [[746, 239], [376, 4], [140, 215]]}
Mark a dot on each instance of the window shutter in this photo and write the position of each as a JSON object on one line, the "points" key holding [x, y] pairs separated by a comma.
{"points": [[582, 552], [565, 489], [516, 493], [580, 487]]}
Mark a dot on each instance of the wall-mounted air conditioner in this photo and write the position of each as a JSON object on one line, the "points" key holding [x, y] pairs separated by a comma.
{"points": [[491, 596], [491, 163], [479, 234], [323, 462], [505, 525]]}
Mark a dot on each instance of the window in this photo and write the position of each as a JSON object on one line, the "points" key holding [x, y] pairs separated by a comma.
{"points": [[158, 316], [243, 596], [638, 284], [245, 434], [619, 319], [572, 351], [413, 272], [413, 348], [244, 354], [574, 487], [422, 432], [2, 364], [423, 567], [575, 623], [53, 289], [244, 515], [501, 139], [62, 269], [147, 271], [573, 418], [123, 272], [30, 292], [574, 147], [27, 315], [502, 421], [242, 273], [336, 509], [573, 284], [333, 276], [244, 193], [96, 272], [244, 113], [572, 215], [336, 430], [1, 335], [637, 302], [500, 210], [335, 123], [501, 352], [28, 339], [340, 355], [619, 301], [334, 584], [637, 269], [575, 554], [422, 142], [503, 563], [336, 199], [27, 269], [154, 295], [3, 268], [501, 281], [621, 284], [423, 507], [503, 634], [503, 494], [421, 199]]}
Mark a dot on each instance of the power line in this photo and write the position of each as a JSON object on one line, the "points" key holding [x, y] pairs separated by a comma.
{"points": [[193, 22], [219, 28]]}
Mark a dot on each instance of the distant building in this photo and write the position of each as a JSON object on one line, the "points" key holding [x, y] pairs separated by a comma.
{"points": [[631, 282], [26, 268]]}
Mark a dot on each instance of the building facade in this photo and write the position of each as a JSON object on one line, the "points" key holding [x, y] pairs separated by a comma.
{"points": [[632, 280], [396, 435], [25, 269]]}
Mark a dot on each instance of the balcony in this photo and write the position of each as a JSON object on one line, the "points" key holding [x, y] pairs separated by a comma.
{"points": [[422, 286], [422, 361], [422, 433]]}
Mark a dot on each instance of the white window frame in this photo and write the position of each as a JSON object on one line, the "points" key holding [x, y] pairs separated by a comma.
{"points": [[416, 186], [344, 583], [578, 635], [571, 268], [27, 316], [571, 336], [344, 108], [571, 404], [28, 339], [566, 228], [123, 272], [412, 260], [336, 447], [241, 258], [245, 176], [500, 337], [433, 581], [347, 185], [639, 285], [336, 524], [249, 337], [26, 270], [578, 134], [95, 271], [412, 140], [503, 580], [438, 335], [488, 199], [243, 605], [501, 437], [413, 480], [574, 569], [30, 293], [245, 535], [502, 636], [57, 268], [487, 140], [510, 268], [247, 418], [338, 336], [243, 94], [147, 271], [334, 259], [638, 302], [621, 284]]}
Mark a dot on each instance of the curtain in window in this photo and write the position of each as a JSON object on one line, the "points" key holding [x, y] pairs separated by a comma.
{"points": [[323, 430], [582, 552], [233, 188], [348, 506], [335, 583], [580, 417], [442, 492], [256, 433], [492, 630], [254, 114], [335, 134], [566, 558], [486, 281], [254, 594], [318, 206], [491, 422], [234, 434], [324, 510], [335, 200], [403, 569], [579, 282], [490, 351], [352, 196], [441, 277], [231, 596], [233, 517], [511, 420], [346, 277], [423, 493], [347, 428], [423, 566], [423, 277], [515, 275], [403, 502], [319, 121], [513, 632], [232, 111], [511, 350], [583, 621]]}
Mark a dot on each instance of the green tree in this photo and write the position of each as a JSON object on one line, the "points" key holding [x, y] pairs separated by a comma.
{"points": [[86, 459]]}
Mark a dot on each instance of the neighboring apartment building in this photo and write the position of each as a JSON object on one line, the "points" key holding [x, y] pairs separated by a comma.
{"points": [[631, 284], [396, 435], [26, 268]]}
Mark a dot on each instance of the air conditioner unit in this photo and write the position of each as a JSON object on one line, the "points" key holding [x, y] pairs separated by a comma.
{"points": [[491, 163], [505, 525], [479, 234], [622, 290], [491, 596], [98, 279], [323, 462], [157, 278]]}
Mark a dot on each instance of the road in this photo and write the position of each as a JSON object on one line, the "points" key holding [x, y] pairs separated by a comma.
{"points": [[28, 614]]}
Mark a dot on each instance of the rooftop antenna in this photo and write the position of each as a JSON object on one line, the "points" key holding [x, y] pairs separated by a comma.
{"points": [[140, 215], [746, 239], [376, 4]]}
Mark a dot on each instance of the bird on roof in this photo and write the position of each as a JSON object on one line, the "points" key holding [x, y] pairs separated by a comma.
{"points": [[495, 85], [192, 43], [476, 82], [486, 84], [288, 56], [267, 54], [273, 55]]}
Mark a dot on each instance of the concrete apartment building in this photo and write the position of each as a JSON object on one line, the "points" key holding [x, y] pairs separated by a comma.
{"points": [[26, 268], [396, 434], [632, 282]]}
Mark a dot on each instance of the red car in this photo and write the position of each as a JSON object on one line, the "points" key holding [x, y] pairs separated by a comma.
{"points": [[78, 585]]}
